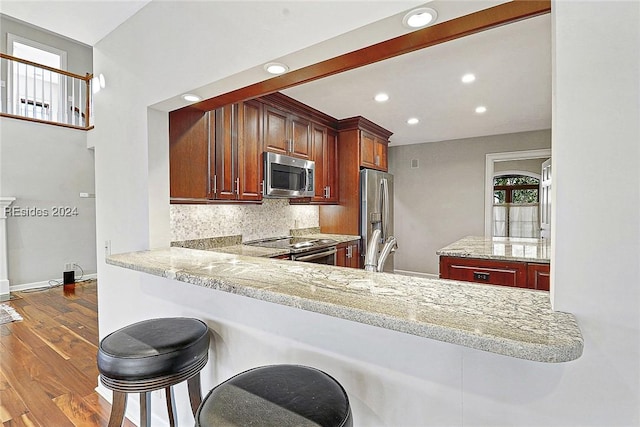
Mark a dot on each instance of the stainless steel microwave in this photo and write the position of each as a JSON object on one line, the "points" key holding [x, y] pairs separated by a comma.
{"points": [[288, 177]]}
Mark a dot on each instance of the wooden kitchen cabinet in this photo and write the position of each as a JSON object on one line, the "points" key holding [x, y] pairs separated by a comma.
{"points": [[348, 254], [538, 276], [189, 156], [344, 217], [325, 156], [286, 133], [216, 155], [373, 151], [237, 164], [496, 272]]}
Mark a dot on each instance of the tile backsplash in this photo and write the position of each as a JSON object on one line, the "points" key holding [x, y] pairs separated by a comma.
{"points": [[274, 217]]}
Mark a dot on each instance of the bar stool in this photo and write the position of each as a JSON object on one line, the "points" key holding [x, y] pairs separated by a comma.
{"points": [[150, 355], [277, 396]]}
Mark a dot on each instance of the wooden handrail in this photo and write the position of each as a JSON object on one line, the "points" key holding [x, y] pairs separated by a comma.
{"points": [[87, 78]]}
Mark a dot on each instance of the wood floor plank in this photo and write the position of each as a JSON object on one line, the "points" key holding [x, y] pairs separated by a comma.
{"points": [[78, 411], [48, 371]]}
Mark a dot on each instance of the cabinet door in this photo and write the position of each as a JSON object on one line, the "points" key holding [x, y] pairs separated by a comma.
{"points": [[249, 151], [367, 150], [331, 166], [538, 276], [300, 137], [275, 130], [319, 137], [324, 153], [189, 154], [341, 255], [380, 157], [353, 255], [224, 134]]}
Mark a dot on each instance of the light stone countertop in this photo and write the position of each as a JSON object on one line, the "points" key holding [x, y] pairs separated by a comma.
{"points": [[513, 322], [500, 248]]}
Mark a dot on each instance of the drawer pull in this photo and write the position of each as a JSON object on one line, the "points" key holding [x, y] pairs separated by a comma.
{"points": [[480, 276]]}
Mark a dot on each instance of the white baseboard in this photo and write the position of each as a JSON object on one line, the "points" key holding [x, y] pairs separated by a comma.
{"points": [[46, 283], [417, 274]]}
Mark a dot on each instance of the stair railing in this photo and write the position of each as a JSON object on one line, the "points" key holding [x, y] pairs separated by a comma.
{"points": [[38, 93]]}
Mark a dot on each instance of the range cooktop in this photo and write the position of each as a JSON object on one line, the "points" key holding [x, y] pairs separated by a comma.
{"points": [[295, 245]]}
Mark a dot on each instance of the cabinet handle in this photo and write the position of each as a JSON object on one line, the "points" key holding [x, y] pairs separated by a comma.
{"points": [[215, 185], [291, 145], [262, 187], [349, 251], [238, 186], [327, 192]]}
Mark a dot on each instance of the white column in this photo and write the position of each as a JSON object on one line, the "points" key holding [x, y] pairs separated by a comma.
{"points": [[4, 271]]}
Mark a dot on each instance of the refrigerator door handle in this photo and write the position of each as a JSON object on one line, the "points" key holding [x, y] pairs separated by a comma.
{"points": [[385, 207]]}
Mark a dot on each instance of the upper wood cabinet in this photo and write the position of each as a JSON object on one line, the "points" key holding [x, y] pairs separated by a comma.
{"points": [[286, 133], [325, 156], [189, 159], [237, 167], [216, 155], [372, 140]]}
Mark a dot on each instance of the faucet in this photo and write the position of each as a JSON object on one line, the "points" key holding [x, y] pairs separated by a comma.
{"points": [[370, 263], [374, 261], [389, 246]]}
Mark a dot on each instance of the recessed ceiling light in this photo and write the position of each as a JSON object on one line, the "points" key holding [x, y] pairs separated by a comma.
{"points": [[468, 78], [191, 97], [381, 97], [413, 121], [420, 17], [481, 109], [276, 68]]}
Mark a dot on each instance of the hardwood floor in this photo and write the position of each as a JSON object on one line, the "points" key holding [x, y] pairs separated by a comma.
{"points": [[48, 369]]}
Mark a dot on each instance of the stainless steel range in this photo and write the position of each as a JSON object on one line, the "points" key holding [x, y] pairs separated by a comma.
{"points": [[319, 251]]}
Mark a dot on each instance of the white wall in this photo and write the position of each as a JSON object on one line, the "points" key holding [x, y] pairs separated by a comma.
{"points": [[46, 166], [442, 200], [396, 379]]}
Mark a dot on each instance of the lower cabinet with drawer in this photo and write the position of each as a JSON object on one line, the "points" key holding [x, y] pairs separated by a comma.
{"points": [[496, 272], [348, 254]]}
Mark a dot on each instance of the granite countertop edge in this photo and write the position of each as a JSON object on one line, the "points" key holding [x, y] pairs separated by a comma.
{"points": [[565, 345]]}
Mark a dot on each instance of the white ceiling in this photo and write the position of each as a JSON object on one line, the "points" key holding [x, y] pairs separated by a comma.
{"points": [[86, 21], [512, 65]]}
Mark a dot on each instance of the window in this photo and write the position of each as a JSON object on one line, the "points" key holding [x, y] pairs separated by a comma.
{"points": [[35, 92], [516, 206]]}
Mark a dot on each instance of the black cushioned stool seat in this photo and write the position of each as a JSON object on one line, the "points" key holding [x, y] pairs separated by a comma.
{"points": [[277, 396], [150, 355]]}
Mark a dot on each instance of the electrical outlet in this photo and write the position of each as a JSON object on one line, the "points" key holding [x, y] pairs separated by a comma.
{"points": [[70, 266], [107, 247]]}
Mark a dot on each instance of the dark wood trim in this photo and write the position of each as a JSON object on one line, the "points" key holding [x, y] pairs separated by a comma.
{"points": [[186, 201], [360, 122], [46, 122], [493, 17], [293, 106]]}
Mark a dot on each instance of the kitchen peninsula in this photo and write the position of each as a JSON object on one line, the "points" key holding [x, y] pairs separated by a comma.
{"points": [[515, 262], [512, 322]]}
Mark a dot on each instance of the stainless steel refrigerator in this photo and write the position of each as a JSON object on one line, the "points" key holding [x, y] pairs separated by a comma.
{"points": [[376, 213]]}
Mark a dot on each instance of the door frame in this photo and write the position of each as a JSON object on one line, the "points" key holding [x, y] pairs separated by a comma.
{"points": [[490, 160]]}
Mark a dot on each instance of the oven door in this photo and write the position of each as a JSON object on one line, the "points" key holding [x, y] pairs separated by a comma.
{"points": [[324, 256]]}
